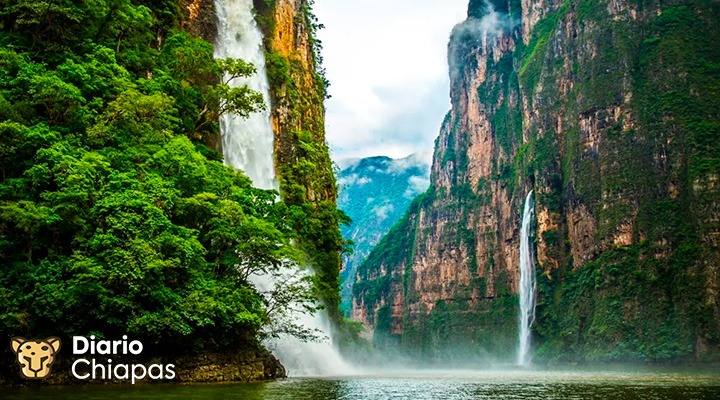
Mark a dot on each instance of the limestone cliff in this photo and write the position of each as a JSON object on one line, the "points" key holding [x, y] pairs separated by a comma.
{"points": [[199, 18], [609, 112], [302, 157]]}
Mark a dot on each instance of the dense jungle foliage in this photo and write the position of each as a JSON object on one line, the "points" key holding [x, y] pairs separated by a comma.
{"points": [[115, 217]]}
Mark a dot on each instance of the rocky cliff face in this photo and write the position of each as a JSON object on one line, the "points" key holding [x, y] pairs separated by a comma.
{"points": [[608, 110], [302, 158], [298, 89]]}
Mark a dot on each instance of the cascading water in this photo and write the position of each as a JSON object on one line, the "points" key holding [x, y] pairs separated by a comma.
{"points": [[527, 285], [247, 142], [305, 358], [248, 145]]}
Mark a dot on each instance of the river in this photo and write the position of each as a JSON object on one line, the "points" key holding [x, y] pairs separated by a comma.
{"points": [[668, 384]]}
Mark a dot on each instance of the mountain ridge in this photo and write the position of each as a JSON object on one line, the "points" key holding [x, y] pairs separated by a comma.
{"points": [[374, 192]]}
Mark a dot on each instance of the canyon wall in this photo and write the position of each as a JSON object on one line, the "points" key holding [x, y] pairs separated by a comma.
{"points": [[298, 89], [608, 110]]}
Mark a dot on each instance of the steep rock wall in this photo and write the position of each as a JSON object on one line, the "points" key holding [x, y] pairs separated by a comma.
{"points": [[445, 276], [298, 89], [302, 157], [608, 111]]}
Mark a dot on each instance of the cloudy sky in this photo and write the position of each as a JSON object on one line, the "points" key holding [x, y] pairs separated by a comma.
{"points": [[387, 65]]}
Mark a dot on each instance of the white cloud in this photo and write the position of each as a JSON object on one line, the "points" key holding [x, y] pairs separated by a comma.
{"points": [[363, 180], [353, 179], [417, 185], [346, 163], [476, 31], [348, 180], [387, 66], [382, 211], [416, 160]]}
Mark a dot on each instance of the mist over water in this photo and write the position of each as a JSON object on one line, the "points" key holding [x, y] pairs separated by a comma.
{"points": [[301, 358], [248, 145]]}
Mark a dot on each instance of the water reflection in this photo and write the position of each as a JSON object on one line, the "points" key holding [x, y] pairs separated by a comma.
{"points": [[412, 385]]}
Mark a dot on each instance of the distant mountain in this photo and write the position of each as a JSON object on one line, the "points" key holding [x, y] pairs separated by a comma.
{"points": [[375, 192]]}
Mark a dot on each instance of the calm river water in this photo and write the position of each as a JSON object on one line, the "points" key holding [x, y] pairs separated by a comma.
{"points": [[567, 384]]}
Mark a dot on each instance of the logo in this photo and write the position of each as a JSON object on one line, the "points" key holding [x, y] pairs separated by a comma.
{"points": [[35, 356]]}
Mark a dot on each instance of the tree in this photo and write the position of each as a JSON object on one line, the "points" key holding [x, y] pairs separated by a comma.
{"points": [[115, 218]]}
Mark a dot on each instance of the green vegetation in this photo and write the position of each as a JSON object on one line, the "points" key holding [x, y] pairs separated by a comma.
{"points": [[443, 335], [536, 51], [650, 300], [374, 193], [620, 143], [307, 181], [115, 217], [603, 319]]}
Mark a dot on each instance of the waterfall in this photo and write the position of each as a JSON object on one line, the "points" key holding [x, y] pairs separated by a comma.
{"points": [[314, 358], [247, 142], [527, 285], [248, 145]]}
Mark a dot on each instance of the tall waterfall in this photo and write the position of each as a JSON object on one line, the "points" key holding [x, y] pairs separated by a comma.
{"points": [[527, 285], [248, 145]]}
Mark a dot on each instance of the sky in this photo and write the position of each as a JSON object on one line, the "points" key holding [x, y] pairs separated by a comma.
{"points": [[386, 61]]}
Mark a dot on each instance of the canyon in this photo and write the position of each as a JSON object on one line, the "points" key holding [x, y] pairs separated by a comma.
{"points": [[608, 111]]}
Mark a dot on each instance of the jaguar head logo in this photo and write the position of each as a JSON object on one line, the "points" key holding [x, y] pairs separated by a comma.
{"points": [[35, 356]]}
